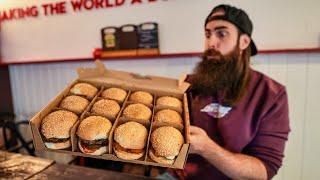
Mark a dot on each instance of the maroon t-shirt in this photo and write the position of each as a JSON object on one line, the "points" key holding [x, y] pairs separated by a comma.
{"points": [[257, 126]]}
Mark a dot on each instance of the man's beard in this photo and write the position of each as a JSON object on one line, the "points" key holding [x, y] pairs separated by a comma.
{"points": [[217, 73]]}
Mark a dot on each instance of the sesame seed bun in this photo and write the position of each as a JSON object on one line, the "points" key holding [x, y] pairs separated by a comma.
{"points": [[169, 101], [141, 97], [106, 107], [115, 94], [131, 135], [75, 104], [127, 155], [58, 124], [60, 145], [159, 159], [94, 127], [166, 141], [137, 111], [168, 116], [84, 89]]}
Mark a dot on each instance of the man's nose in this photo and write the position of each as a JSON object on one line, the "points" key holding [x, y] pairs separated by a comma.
{"points": [[213, 42]]}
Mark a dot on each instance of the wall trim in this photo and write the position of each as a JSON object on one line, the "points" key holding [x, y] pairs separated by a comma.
{"points": [[160, 56]]}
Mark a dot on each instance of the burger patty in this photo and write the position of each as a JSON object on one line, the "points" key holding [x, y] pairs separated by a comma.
{"points": [[56, 140], [94, 144], [119, 147]]}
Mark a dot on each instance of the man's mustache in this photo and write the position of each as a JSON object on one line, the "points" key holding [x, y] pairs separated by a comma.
{"points": [[213, 55]]}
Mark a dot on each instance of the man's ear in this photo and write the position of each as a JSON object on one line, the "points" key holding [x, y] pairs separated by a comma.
{"points": [[244, 41]]}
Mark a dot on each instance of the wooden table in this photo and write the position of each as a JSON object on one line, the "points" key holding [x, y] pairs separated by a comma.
{"points": [[63, 171], [17, 166]]}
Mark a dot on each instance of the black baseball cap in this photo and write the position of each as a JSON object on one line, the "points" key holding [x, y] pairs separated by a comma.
{"points": [[236, 16]]}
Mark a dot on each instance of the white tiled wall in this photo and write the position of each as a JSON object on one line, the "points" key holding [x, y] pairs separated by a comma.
{"points": [[34, 85]]}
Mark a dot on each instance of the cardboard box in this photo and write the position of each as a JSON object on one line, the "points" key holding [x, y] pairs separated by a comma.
{"points": [[104, 78]]}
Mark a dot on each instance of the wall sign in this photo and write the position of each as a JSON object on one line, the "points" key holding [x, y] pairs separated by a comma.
{"points": [[33, 30], [56, 8]]}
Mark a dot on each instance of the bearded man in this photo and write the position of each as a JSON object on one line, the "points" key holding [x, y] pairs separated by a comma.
{"points": [[239, 116]]}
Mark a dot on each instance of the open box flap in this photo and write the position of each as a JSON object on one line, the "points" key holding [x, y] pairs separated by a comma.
{"points": [[103, 75]]}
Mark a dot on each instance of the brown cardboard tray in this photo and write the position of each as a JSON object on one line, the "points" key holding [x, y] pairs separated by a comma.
{"points": [[103, 78]]}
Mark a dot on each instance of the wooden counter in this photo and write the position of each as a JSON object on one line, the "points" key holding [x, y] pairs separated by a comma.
{"points": [[18, 166]]}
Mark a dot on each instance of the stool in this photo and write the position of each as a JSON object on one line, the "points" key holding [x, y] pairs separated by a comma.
{"points": [[7, 123]]}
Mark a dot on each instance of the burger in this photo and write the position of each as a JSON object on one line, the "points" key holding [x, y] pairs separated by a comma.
{"points": [[75, 104], [169, 101], [93, 133], [137, 111], [168, 116], [84, 89], [166, 143], [56, 127], [141, 97], [115, 94], [130, 140], [106, 107]]}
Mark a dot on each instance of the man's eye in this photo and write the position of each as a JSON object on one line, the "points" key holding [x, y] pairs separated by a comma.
{"points": [[207, 34], [221, 33]]}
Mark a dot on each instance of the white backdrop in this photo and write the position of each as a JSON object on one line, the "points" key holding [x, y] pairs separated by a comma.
{"points": [[277, 25]]}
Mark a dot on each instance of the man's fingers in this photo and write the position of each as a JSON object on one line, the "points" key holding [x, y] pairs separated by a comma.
{"points": [[195, 130], [191, 151], [192, 137]]}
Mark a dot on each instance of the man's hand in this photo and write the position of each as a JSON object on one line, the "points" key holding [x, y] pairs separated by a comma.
{"points": [[198, 140], [234, 165]]}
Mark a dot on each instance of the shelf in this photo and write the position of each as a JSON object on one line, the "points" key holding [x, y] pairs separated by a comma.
{"points": [[97, 55], [160, 56]]}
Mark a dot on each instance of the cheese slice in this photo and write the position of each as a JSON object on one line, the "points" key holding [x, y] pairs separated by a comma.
{"points": [[170, 157]]}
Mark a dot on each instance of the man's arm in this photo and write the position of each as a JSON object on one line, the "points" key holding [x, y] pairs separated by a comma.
{"points": [[233, 165]]}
